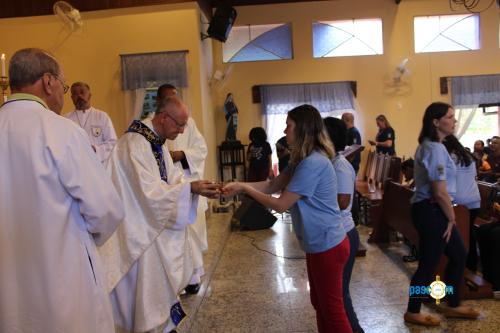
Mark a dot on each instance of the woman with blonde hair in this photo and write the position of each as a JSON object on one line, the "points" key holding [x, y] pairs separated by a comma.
{"points": [[309, 188], [385, 139]]}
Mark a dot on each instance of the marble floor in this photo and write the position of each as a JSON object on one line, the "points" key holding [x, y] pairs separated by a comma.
{"points": [[256, 281]]}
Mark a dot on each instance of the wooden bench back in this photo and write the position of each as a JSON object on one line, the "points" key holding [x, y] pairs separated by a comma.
{"points": [[488, 193]]}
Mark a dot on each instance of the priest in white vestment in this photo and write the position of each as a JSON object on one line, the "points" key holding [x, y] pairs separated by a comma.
{"points": [[189, 151], [148, 260], [96, 123], [56, 204]]}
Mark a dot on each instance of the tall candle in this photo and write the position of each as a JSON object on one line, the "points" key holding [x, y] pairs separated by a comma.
{"points": [[3, 64]]}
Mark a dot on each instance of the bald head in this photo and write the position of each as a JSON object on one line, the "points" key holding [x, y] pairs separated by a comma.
{"points": [[170, 118], [348, 119]]}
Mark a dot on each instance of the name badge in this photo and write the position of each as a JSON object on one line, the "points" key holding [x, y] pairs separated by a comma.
{"points": [[96, 131]]}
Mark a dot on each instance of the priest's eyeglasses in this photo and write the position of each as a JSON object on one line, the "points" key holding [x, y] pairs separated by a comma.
{"points": [[179, 126], [64, 85]]}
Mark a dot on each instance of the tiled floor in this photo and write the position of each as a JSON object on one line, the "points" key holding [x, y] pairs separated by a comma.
{"points": [[251, 287]]}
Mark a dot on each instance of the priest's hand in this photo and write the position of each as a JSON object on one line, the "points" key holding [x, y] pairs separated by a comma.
{"points": [[206, 188], [233, 188], [177, 155]]}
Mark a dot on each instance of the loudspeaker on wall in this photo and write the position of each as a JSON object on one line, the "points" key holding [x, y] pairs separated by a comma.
{"points": [[222, 22]]}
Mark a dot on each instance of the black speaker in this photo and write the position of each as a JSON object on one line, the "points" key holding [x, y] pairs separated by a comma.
{"points": [[222, 22], [253, 216]]}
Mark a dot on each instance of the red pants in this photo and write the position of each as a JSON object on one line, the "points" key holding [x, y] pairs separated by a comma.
{"points": [[325, 270]]}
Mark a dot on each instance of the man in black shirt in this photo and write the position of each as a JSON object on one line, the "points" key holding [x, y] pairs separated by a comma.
{"points": [[353, 138]]}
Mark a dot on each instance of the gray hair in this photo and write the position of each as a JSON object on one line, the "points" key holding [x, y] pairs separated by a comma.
{"points": [[80, 84], [28, 65]]}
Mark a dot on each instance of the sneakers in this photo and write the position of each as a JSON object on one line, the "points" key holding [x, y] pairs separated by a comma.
{"points": [[496, 294]]}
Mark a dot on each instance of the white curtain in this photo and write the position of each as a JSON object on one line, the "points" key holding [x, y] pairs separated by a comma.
{"points": [[134, 100], [464, 118]]}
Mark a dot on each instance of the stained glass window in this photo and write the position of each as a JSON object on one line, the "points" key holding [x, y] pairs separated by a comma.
{"points": [[258, 43], [446, 33], [347, 38]]}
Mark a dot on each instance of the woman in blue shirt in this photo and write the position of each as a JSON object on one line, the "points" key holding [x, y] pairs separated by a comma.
{"points": [[467, 191], [385, 141], [434, 218], [309, 187], [346, 179]]}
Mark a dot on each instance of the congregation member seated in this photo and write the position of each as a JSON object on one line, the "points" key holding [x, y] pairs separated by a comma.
{"points": [[283, 153], [407, 171], [492, 175]]}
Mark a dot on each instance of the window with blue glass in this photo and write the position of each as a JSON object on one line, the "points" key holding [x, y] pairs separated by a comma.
{"points": [[259, 43], [347, 38]]}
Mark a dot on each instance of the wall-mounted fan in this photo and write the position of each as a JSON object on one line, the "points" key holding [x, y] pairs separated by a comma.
{"points": [[398, 81], [220, 76], [69, 15]]}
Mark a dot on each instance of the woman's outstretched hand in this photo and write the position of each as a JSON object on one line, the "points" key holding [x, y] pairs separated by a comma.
{"points": [[232, 188]]}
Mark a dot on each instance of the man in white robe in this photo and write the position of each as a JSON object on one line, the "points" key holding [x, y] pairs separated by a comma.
{"points": [[189, 151], [56, 204], [148, 260], [95, 122]]}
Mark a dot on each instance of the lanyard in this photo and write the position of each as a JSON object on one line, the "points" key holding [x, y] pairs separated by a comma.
{"points": [[22, 99]]}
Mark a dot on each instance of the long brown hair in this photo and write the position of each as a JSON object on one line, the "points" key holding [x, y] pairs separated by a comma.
{"points": [[383, 119], [310, 134]]}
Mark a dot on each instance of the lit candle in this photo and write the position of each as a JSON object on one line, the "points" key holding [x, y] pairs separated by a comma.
{"points": [[3, 64]]}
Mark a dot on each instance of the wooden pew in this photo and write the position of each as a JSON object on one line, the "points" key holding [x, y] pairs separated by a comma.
{"points": [[379, 168], [396, 215]]}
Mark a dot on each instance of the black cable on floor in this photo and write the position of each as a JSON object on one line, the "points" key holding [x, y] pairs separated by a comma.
{"points": [[263, 250]]}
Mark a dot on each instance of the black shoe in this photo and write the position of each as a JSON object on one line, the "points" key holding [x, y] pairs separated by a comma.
{"points": [[192, 288], [173, 331], [409, 258]]}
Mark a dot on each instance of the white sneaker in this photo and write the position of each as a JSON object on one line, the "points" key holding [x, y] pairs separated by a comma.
{"points": [[496, 294]]}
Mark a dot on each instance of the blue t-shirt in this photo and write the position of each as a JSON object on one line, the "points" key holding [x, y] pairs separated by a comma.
{"points": [[346, 177], [384, 135], [467, 190], [432, 163], [354, 138], [316, 215]]}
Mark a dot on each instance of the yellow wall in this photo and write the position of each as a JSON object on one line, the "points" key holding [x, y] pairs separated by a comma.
{"points": [[404, 112], [92, 53]]}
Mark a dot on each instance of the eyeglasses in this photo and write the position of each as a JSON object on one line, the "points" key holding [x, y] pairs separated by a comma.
{"points": [[64, 85], [179, 126]]}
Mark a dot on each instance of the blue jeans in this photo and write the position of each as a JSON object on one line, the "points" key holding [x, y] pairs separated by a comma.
{"points": [[346, 279]]}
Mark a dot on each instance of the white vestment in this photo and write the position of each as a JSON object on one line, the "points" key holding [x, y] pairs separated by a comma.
{"points": [[192, 143], [99, 128], [148, 259], [56, 203]]}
